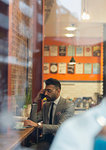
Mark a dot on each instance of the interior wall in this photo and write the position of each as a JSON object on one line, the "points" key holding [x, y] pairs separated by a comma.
{"points": [[73, 90], [81, 89]]}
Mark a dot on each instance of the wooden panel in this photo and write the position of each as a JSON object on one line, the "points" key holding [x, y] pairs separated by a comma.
{"points": [[37, 52], [3, 64]]}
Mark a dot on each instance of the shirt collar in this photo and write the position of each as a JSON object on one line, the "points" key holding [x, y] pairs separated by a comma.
{"points": [[57, 100]]}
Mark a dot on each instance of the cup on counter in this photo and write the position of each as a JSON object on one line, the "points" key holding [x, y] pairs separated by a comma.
{"points": [[19, 125], [19, 122]]}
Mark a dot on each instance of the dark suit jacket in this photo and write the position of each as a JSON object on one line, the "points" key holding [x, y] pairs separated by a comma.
{"points": [[64, 110]]}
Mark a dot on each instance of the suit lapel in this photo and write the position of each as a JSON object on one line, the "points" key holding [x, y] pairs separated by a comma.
{"points": [[46, 112], [58, 107]]}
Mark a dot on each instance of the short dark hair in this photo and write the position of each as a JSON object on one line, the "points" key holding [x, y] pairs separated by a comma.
{"points": [[54, 82]]}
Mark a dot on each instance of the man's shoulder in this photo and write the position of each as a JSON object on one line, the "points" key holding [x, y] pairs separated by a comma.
{"points": [[65, 101]]}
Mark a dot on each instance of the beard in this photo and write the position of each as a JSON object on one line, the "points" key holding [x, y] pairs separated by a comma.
{"points": [[49, 99]]}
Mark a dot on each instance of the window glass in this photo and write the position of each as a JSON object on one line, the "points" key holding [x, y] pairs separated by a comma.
{"points": [[20, 41], [74, 48]]}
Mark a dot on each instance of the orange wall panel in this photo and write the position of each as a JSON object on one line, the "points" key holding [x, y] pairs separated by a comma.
{"points": [[79, 59]]}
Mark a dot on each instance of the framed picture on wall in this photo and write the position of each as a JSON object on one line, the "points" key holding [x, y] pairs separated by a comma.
{"points": [[53, 50], [71, 50], [70, 68], [62, 68], [79, 51], [88, 51], [46, 50], [79, 68], [62, 50], [96, 68], [53, 67], [97, 50], [87, 68], [46, 68]]}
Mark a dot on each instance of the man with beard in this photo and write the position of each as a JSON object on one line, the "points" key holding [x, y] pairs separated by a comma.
{"points": [[54, 112]]}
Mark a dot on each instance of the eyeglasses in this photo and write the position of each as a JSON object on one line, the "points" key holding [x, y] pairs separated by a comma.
{"points": [[49, 90]]}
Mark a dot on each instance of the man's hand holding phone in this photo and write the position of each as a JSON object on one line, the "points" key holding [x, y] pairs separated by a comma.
{"points": [[40, 96]]}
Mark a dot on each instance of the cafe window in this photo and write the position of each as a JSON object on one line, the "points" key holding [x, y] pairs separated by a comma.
{"points": [[51, 39], [20, 53], [74, 46]]}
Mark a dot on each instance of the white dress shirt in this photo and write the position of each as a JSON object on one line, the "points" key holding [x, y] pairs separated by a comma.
{"points": [[79, 132], [54, 108]]}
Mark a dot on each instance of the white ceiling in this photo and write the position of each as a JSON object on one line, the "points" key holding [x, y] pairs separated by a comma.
{"points": [[66, 12]]}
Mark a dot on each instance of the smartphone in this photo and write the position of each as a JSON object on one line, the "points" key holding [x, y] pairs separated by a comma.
{"points": [[42, 96]]}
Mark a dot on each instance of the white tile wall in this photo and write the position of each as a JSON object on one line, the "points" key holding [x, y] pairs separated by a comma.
{"points": [[81, 89]]}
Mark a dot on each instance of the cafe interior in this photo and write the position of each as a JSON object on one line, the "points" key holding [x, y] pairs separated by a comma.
{"points": [[41, 39]]}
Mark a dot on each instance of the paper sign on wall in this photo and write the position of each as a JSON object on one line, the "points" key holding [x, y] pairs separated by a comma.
{"points": [[87, 68], [53, 50], [71, 50], [62, 50], [46, 50], [70, 68], [53, 68], [62, 68], [79, 51], [97, 50], [79, 68], [46, 68], [96, 68], [88, 51]]}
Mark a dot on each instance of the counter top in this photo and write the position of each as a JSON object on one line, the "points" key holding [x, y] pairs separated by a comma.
{"points": [[13, 138]]}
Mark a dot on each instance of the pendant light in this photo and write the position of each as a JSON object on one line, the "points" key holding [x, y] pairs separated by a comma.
{"points": [[85, 14], [71, 28], [72, 61]]}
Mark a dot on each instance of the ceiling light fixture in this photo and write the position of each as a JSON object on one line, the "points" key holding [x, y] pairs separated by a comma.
{"points": [[69, 35], [85, 14], [71, 28]]}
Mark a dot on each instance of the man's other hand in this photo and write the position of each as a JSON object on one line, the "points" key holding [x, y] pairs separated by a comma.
{"points": [[30, 123]]}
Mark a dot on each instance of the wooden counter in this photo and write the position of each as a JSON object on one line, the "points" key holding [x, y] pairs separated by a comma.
{"points": [[13, 138]]}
